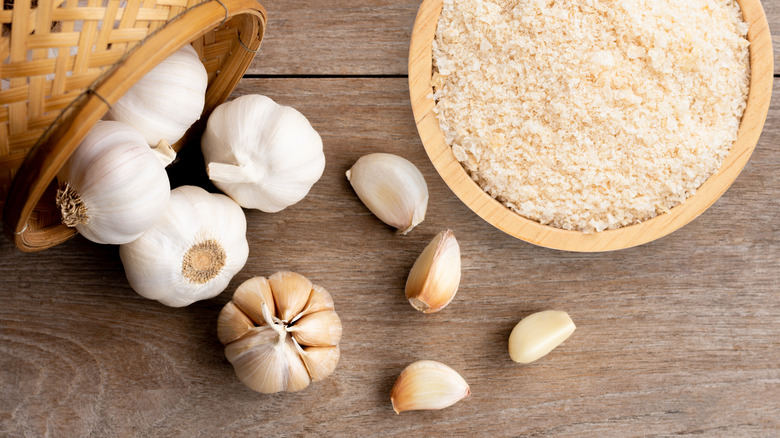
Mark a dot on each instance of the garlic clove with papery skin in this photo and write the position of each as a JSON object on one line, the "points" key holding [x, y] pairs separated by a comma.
{"points": [[435, 276], [263, 155], [427, 385], [392, 188], [190, 254], [278, 354], [113, 187]]}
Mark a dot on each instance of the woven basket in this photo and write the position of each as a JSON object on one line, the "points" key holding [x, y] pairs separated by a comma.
{"points": [[50, 99]]}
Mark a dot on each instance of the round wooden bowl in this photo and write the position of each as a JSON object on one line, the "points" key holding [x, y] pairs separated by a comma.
{"points": [[49, 103], [420, 89]]}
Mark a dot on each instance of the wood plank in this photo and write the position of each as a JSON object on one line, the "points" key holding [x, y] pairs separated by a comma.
{"points": [[344, 37], [678, 336]]}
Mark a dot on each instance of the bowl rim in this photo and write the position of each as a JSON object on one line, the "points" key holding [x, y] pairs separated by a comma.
{"points": [[495, 213]]}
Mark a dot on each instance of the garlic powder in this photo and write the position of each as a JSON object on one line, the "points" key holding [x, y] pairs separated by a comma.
{"points": [[590, 114]]}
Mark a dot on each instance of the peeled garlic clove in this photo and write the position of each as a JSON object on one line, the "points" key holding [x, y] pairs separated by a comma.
{"points": [[291, 292], [427, 385], [262, 154], [112, 188], [392, 188], [319, 329], [192, 252], [232, 323], [251, 294], [435, 276], [538, 334]]}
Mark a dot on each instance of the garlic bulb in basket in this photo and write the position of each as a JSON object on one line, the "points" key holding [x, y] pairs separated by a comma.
{"points": [[113, 187], [280, 333], [165, 102], [190, 254], [261, 154]]}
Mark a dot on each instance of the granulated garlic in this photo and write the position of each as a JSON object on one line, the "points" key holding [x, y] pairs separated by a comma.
{"points": [[590, 115]]}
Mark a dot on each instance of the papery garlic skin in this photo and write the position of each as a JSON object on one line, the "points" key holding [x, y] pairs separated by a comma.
{"points": [[280, 333], [435, 276], [192, 252], [427, 385], [167, 100], [113, 187], [263, 155], [538, 334], [392, 188]]}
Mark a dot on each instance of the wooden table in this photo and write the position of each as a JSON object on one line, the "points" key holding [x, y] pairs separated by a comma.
{"points": [[676, 337]]}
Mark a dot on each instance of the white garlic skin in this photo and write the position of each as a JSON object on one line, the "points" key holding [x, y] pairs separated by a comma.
{"points": [[165, 102], [154, 263], [263, 155], [392, 188], [119, 180]]}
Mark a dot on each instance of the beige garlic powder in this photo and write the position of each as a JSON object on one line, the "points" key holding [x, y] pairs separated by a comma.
{"points": [[590, 114]]}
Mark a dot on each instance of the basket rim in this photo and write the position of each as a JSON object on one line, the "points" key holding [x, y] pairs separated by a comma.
{"points": [[45, 159], [495, 213]]}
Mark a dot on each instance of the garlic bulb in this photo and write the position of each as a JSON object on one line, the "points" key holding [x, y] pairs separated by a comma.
{"points": [[280, 333], [435, 276], [392, 188], [113, 187], [165, 102], [427, 385], [192, 252], [261, 154]]}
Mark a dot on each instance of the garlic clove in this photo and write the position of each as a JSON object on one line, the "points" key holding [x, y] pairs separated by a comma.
{"points": [[427, 385], [291, 293], [232, 323], [538, 334], [435, 276], [319, 329], [319, 300], [320, 361], [259, 361], [298, 376], [250, 296], [392, 188]]}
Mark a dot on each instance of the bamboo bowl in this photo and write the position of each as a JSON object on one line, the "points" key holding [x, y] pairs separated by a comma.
{"points": [[49, 103], [495, 213]]}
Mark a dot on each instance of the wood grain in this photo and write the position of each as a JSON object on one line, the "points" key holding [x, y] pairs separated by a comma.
{"points": [[440, 153], [675, 337], [344, 37]]}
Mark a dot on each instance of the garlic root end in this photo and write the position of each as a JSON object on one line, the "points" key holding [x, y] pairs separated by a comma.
{"points": [[72, 208]]}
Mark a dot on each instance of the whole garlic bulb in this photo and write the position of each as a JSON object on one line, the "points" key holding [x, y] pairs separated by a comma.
{"points": [[280, 333], [261, 154], [113, 187], [165, 102], [192, 252], [392, 188]]}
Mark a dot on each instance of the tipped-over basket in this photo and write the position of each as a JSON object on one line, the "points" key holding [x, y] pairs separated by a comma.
{"points": [[421, 69], [50, 99]]}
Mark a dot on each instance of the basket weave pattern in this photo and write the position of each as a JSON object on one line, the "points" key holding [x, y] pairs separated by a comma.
{"points": [[56, 52]]}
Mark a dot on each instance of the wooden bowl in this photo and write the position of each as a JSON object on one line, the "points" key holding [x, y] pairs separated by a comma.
{"points": [[49, 104], [420, 89]]}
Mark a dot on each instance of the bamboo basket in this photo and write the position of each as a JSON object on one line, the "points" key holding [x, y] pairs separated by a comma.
{"points": [[50, 102]]}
